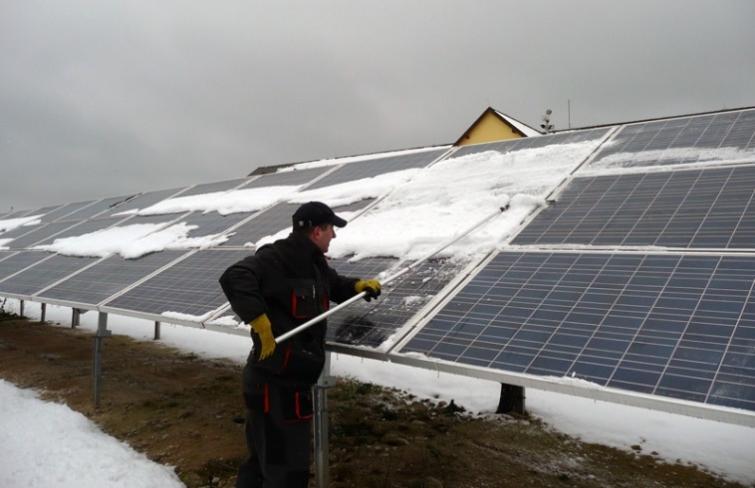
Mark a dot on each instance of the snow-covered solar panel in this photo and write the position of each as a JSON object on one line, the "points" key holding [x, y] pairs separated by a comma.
{"points": [[20, 231], [722, 136], [378, 166], [40, 233], [43, 274], [287, 178], [681, 326], [372, 323], [14, 262], [82, 228], [98, 208], [214, 187], [532, 142], [711, 208], [269, 222], [188, 287], [353, 207], [107, 278]]}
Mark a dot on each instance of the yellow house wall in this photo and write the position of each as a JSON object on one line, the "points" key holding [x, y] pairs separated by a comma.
{"points": [[489, 128]]}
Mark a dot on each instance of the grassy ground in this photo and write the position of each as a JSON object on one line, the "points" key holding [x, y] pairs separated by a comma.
{"points": [[187, 412]]}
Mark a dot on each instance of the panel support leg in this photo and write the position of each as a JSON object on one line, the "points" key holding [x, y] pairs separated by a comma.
{"points": [[322, 471], [101, 333], [512, 399], [157, 331], [43, 313], [21, 308], [75, 317]]}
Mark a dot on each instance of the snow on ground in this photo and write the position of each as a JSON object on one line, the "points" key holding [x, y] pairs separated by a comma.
{"points": [[10, 224], [726, 449], [44, 444]]}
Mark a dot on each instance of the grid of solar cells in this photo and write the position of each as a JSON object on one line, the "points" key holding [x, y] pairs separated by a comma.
{"points": [[19, 231], [378, 166], [12, 263], [213, 222], [213, 187], [189, 286], [143, 201], [63, 211], [82, 228], [17, 214], [97, 208], [108, 277], [713, 208], [43, 274], [670, 325], [287, 178], [532, 142], [269, 222], [371, 323], [731, 129], [39, 234]]}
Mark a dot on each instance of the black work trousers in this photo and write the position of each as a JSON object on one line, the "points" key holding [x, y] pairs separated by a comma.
{"points": [[278, 430]]}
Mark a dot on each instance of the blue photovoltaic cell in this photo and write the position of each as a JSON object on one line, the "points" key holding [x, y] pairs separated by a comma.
{"points": [[188, 287], [42, 274], [14, 262], [712, 208], [532, 142], [108, 277], [658, 142], [669, 325], [373, 167]]}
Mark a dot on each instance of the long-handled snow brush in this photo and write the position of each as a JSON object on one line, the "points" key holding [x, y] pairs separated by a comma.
{"points": [[400, 272]]}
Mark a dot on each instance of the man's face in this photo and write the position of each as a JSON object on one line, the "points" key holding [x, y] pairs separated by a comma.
{"points": [[322, 236]]}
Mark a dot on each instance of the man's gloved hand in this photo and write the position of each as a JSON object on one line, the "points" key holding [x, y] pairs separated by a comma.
{"points": [[372, 287], [262, 335]]}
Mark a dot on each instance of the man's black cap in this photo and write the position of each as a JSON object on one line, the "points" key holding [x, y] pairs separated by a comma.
{"points": [[315, 213]]}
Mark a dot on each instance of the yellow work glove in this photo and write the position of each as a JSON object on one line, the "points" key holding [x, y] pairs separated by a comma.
{"points": [[372, 287], [262, 335]]}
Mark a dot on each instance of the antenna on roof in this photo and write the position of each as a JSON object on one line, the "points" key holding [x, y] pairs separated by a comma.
{"points": [[547, 126]]}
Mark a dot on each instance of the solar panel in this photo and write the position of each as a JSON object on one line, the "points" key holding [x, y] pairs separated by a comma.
{"points": [[142, 201], [97, 208], [712, 208], [82, 228], [39, 234], [108, 277], [378, 166], [287, 178], [43, 274], [269, 222], [372, 323], [188, 287], [19, 231], [659, 142], [354, 207], [14, 262], [213, 187], [681, 326], [64, 210], [532, 142], [213, 222]]}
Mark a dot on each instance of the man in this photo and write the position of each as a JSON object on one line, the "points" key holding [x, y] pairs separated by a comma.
{"points": [[282, 286]]}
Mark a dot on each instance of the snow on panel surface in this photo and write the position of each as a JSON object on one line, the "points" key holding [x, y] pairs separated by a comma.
{"points": [[40, 234], [670, 325], [141, 201], [287, 178]]}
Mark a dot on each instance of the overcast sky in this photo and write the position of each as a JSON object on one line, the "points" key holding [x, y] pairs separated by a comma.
{"points": [[101, 98]]}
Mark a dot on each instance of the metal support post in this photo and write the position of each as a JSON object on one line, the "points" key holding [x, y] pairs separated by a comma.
{"points": [[75, 317], [21, 308], [157, 331], [322, 472], [101, 333], [512, 399], [43, 313]]}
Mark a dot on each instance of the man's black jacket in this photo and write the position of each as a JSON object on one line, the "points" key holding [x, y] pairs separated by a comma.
{"points": [[291, 282]]}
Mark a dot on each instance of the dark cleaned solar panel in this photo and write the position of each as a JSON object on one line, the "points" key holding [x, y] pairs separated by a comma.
{"points": [[379, 166], [189, 286], [39, 234], [354, 207], [43, 274], [532, 142], [287, 178], [713, 208], [266, 223], [670, 325], [108, 277], [64, 211], [83, 228], [97, 208], [142, 201], [12, 263], [213, 187], [724, 130], [371, 323], [19, 231], [212, 223]]}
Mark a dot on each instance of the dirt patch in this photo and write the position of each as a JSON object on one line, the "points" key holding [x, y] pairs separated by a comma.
{"points": [[187, 412]]}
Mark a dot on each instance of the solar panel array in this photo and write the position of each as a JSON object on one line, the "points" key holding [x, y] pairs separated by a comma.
{"points": [[42, 275], [532, 142]]}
